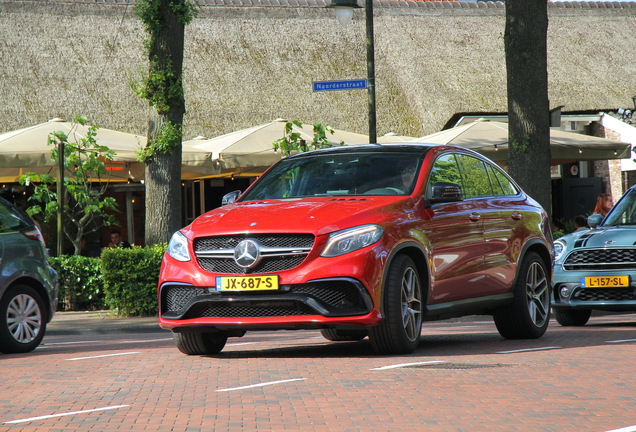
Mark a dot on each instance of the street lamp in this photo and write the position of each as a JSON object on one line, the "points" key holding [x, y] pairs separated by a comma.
{"points": [[344, 12]]}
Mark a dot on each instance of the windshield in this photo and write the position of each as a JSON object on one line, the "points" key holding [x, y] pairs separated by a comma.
{"points": [[623, 213], [339, 175]]}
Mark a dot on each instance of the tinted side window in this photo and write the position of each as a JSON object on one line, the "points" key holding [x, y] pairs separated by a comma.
{"points": [[496, 186], [500, 181], [11, 219], [475, 176], [444, 169]]}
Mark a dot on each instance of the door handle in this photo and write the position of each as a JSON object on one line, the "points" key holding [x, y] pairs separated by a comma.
{"points": [[474, 217], [516, 215]]}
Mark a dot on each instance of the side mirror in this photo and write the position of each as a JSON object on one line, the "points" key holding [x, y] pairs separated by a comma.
{"points": [[444, 192], [231, 197], [594, 220]]}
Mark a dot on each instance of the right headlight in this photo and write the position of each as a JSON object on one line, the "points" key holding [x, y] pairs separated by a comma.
{"points": [[351, 239], [178, 247], [559, 248]]}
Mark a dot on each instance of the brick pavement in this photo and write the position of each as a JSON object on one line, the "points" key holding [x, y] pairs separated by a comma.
{"points": [[583, 382]]}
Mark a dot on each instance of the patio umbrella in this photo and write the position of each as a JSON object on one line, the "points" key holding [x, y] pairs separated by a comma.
{"points": [[27, 150], [251, 150], [392, 137], [490, 138]]}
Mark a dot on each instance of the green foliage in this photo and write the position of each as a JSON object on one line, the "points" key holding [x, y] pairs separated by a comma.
{"points": [[86, 180], [169, 138], [292, 141], [163, 87], [80, 280], [130, 279], [522, 146], [149, 12]]}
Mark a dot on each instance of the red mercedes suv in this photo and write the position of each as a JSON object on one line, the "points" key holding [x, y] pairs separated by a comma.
{"points": [[361, 241]]}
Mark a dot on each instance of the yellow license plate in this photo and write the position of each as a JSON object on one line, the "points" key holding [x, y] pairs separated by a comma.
{"points": [[604, 281], [246, 283]]}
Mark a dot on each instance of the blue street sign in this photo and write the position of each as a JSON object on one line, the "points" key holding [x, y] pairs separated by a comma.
{"points": [[339, 85]]}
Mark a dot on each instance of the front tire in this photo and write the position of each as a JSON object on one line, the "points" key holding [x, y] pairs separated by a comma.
{"points": [[400, 328], [527, 317], [192, 343], [575, 318], [22, 320], [343, 335]]}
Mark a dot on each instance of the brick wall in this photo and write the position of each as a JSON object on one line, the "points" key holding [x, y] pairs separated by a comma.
{"points": [[610, 170]]}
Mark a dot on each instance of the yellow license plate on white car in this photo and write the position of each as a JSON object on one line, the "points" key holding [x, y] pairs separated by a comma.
{"points": [[604, 281], [246, 283]]}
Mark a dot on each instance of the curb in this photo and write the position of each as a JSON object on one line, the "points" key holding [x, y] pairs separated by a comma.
{"points": [[103, 331]]}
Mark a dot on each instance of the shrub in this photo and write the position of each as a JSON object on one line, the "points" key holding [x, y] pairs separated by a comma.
{"points": [[80, 281], [130, 279]]}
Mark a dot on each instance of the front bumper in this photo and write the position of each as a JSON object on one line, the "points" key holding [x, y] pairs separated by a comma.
{"points": [[310, 305], [618, 299]]}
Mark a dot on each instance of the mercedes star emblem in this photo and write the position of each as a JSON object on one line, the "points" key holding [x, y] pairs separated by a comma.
{"points": [[246, 253]]}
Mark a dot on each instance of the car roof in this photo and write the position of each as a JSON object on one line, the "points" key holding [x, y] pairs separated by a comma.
{"points": [[385, 147]]}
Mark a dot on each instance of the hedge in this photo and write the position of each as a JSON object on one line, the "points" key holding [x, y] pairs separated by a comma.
{"points": [[130, 279], [121, 280], [81, 286]]}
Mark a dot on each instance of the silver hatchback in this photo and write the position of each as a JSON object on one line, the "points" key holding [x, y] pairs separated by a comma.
{"points": [[28, 285]]}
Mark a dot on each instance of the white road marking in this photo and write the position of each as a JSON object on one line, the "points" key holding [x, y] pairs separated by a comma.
{"points": [[147, 340], [242, 343], [528, 349], [261, 384], [68, 343], [621, 341], [407, 364], [66, 414], [104, 355], [625, 429], [449, 328]]}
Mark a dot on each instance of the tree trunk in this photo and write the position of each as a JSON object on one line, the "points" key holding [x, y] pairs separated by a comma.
{"points": [[528, 106], [163, 196], [163, 170]]}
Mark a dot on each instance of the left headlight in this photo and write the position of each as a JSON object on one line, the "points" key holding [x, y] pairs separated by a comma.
{"points": [[559, 248], [178, 247], [351, 239]]}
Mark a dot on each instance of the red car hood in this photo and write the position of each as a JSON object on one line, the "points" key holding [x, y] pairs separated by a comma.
{"points": [[301, 215]]}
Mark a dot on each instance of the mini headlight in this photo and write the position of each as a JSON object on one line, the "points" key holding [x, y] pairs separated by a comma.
{"points": [[178, 247], [351, 239], [559, 248]]}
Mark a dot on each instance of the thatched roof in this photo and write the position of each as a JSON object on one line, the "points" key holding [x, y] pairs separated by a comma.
{"points": [[251, 61]]}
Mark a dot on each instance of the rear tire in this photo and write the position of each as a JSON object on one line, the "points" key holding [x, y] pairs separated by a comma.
{"points": [[22, 320], [400, 328], [527, 317], [576, 318], [343, 335], [192, 343]]}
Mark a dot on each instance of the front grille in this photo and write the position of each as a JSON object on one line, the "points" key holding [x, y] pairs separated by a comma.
{"points": [[606, 259], [223, 247], [176, 298], [336, 294], [247, 310], [604, 294]]}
